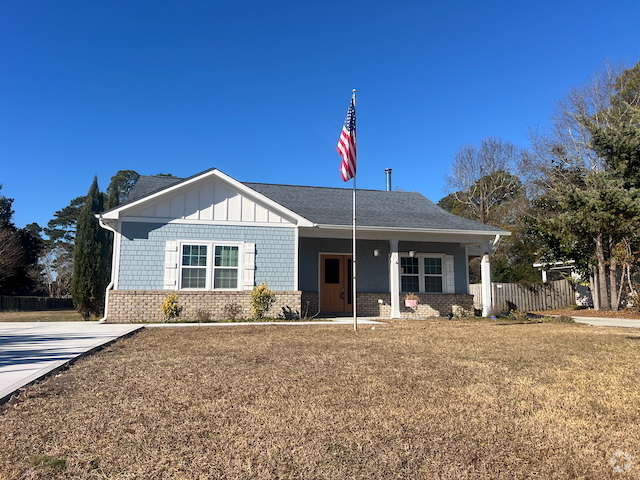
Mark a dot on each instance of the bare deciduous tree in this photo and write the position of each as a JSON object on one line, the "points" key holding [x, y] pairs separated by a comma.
{"points": [[564, 148], [481, 177]]}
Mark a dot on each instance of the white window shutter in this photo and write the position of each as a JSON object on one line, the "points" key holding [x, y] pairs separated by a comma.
{"points": [[171, 265], [450, 282], [249, 266]]}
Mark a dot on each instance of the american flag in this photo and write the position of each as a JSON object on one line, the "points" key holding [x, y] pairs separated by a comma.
{"points": [[347, 143]]}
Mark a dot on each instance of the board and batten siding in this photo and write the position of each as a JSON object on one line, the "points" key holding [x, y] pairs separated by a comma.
{"points": [[208, 201], [143, 245]]}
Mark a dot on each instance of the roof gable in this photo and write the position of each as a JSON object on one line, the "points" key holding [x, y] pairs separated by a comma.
{"points": [[209, 197]]}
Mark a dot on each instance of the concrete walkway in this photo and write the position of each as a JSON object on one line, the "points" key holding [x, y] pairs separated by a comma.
{"points": [[30, 350], [608, 322]]}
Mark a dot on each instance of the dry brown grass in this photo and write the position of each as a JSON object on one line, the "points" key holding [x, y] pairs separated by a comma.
{"points": [[42, 316], [589, 312], [432, 399]]}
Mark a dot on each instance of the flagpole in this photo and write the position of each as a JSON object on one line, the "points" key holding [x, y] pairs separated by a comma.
{"points": [[353, 261], [353, 257], [347, 150]]}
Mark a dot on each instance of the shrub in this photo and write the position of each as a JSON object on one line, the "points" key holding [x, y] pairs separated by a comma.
{"points": [[231, 311], [203, 315], [519, 316], [289, 314], [261, 300], [564, 319], [170, 307]]}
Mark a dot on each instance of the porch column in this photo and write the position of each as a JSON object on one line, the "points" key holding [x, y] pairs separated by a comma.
{"points": [[394, 279], [485, 273]]}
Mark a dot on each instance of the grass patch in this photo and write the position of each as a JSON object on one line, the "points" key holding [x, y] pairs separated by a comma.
{"points": [[433, 399], [49, 462], [41, 316]]}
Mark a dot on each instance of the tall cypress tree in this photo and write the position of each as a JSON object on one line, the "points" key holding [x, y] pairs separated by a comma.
{"points": [[90, 257]]}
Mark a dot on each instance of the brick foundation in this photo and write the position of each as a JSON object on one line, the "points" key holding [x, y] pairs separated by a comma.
{"points": [[134, 306], [431, 305]]}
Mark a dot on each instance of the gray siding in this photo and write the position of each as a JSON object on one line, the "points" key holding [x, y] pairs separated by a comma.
{"points": [[459, 258], [372, 272], [142, 251]]}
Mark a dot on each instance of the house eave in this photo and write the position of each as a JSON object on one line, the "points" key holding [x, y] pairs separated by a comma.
{"points": [[390, 230]]}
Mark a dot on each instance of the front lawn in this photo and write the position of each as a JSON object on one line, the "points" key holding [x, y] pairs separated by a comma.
{"points": [[431, 399]]}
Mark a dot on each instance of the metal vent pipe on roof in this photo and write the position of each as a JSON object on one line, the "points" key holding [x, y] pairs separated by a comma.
{"points": [[387, 172]]}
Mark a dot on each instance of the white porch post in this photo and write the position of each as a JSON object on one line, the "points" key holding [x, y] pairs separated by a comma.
{"points": [[394, 279], [485, 273]]}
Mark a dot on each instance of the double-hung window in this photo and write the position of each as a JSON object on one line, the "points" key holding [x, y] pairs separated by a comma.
{"points": [[209, 266], [422, 274], [432, 274], [194, 266], [225, 267]]}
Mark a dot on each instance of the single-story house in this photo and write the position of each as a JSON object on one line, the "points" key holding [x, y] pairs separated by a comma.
{"points": [[211, 239]]}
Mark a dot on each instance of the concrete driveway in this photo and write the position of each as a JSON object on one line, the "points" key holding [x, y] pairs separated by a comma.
{"points": [[29, 350]]}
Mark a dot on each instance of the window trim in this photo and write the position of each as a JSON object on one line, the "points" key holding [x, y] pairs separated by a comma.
{"points": [[210, 267], [421, 271]]}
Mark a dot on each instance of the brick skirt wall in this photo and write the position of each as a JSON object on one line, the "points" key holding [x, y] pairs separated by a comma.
{"points": [[379, 305], [134, 306], [431, 305]]}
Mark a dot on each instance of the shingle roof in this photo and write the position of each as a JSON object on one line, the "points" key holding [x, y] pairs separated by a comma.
{"points": [[148, 184], [332, 206], [374, 208]]}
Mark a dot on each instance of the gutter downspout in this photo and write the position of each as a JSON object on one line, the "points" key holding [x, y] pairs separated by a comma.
{"points": [[113, 261]]}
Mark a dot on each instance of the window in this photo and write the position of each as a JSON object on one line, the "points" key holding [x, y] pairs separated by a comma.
{"points": [[194, 266], [410, 278], [208, 266], [432, 275], [225, 271], [421, 274]]}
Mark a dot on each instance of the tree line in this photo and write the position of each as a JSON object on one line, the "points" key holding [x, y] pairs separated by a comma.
{"points": [[75, 259], [573, 195]]}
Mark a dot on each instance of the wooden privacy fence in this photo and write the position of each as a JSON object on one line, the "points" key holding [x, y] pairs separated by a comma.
{"points": [[29, 304], [515, 296]]}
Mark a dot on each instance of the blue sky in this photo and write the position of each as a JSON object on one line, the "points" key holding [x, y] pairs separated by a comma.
{"points": [[259, 89]]}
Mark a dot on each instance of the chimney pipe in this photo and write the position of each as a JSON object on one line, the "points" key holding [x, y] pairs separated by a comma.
{"points": [[387, 172]]}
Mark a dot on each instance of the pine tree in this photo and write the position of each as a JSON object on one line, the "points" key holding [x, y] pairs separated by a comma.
{"points": [[90, 257]]}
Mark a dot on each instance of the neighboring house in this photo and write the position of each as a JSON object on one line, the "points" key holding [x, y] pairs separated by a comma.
{"points": [[211, 239]]}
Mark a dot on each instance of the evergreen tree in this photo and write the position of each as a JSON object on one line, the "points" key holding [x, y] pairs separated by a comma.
{"points": [[90, 258], [19, 252], [120, 187]]}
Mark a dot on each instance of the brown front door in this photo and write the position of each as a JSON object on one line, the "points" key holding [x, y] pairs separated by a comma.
{"points": [[335, 283]]}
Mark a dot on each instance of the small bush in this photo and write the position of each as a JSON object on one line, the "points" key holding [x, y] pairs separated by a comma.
{"points": [[519, 316], [564, 319], [289, 314], [232, 311], [203, 315], [261, 300], [170, 307]]}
